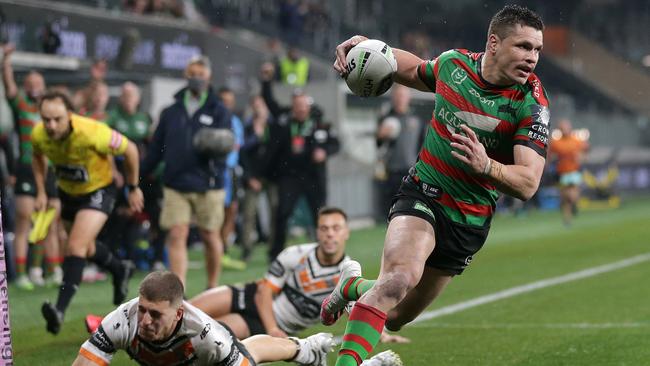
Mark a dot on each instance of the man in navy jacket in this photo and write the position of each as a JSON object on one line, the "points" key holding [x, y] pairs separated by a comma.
{"points": [[193, 181]]}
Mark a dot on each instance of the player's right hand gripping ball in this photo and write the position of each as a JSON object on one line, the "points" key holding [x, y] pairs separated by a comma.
{"points": [[371, 65]]}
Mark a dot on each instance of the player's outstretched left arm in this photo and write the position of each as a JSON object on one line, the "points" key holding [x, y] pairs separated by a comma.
{"points": [[519, 180], [407, 64]]}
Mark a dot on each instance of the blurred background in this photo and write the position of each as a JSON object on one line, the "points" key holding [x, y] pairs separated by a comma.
{"points": [[595, 67]]}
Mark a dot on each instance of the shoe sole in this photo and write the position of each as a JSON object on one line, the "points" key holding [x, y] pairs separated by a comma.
{"points": [[50, 315]]}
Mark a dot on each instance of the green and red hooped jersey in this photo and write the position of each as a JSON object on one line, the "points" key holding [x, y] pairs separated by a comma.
{"points": [[500, 116], [26, 115]]}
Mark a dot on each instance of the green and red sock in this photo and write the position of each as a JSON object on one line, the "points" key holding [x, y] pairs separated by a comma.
{"points": [[52, 264], [362, 334], [21, 266], [354, 287], [37, 254]]}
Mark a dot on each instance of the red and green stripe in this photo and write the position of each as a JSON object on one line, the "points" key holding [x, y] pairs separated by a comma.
{"points": [[354, 287], [362, 334]]}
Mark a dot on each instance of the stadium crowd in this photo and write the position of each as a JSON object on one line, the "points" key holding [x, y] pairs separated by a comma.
{"points": [[276, 149]]}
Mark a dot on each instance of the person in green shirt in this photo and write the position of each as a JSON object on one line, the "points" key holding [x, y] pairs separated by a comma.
{"points": [[127, 119], [24, 105]]}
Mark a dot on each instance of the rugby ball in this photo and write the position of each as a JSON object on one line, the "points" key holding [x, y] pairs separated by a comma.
{"points": [[370, 68]]}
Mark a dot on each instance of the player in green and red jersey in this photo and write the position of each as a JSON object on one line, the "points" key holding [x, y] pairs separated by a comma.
{"points": [[24, 104], [488, 134]]}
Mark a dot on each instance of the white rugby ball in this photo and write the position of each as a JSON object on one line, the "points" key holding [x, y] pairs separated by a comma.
{"points": [[371, 65]]}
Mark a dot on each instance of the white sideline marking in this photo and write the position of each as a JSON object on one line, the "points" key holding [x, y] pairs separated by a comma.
{"points": [[514, 291], [536, 325]]}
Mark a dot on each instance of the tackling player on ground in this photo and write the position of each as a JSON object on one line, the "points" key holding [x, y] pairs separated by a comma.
{"points": [[488, 133], [159, 328]]}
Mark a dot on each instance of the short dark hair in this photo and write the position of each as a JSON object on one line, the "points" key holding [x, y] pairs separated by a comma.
{"points": [[511, 15], [224, 89], [330, 210], [162, 286], [54, 95]]}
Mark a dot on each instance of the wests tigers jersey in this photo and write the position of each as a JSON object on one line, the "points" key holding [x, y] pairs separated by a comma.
{"points": [[301, 283], [197, 340]]}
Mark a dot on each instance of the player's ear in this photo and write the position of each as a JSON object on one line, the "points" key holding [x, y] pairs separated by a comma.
{"points": [[179, 312], [493, 43]]}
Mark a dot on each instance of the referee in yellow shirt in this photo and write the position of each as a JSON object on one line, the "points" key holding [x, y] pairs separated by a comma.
{"points": [[81, 150]]}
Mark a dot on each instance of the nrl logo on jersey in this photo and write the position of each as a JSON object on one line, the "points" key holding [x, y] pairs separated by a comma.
{"points": [[540, 114], [458, 75]]}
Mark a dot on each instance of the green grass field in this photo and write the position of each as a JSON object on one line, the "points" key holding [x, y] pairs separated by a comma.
{"points": [[600, 319]]}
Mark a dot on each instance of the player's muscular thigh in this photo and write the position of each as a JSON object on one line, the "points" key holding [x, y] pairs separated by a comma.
{"points": [[409, 241]]}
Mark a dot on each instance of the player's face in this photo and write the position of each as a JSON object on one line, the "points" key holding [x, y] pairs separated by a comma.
{"points": [[157, 320], [518, 53], [333, 233], [56, 119]]}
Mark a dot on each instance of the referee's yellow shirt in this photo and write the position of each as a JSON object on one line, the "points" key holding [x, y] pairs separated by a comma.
{"points": [[81, 161]]}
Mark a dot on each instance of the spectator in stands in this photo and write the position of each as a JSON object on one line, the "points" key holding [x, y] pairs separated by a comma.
{"points": [[193, 182], [253, 157], [294, 69], [568, 152], [399, 137], [123, 226], [98, 97], [24, 104], [232, 175], [299, 147], [98, 71]]}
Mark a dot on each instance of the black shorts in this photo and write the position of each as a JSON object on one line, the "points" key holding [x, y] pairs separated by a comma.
{"points": [[240, 347], [26, 185], [243, 303], [456, 243], [102, 200]]}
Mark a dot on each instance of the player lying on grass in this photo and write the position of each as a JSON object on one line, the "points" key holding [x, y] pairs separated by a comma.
{"points": [[288, 299], [159, 328]]}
